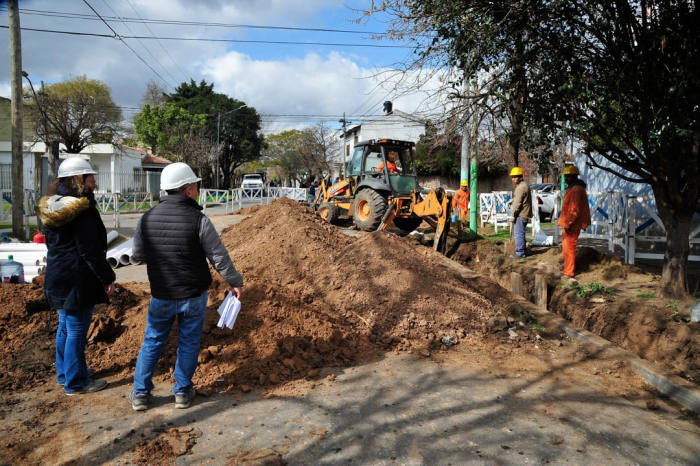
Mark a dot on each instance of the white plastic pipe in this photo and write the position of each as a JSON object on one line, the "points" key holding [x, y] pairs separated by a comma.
{"points": [[133, 261], [25, 262], [9, 248], [124, 259], [111, 236], [114, 256], [20, 257], [4, 246]]}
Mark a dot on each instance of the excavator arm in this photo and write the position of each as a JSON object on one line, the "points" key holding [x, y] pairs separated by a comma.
{"points": [[435, 209]]}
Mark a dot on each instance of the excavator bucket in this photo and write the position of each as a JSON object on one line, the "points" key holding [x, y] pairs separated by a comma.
{"points": [[435, 209]]}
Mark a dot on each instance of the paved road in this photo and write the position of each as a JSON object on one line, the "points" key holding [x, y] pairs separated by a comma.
{"points": [[400, 410]]}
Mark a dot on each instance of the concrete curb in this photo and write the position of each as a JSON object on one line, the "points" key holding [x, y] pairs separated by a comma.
{"points": [[676, 388]]}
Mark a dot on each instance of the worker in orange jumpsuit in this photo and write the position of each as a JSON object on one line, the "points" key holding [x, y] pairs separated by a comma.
{"points": [[390, 163], [460, 202], [575, 216]]}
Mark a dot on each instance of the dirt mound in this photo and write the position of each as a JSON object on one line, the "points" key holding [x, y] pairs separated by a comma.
{"points": [[313, 297], [249, 210]]}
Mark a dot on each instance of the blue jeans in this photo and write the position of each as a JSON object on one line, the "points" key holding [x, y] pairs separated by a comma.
{"points": [[161, 316], [71, 338], [519, 233]]}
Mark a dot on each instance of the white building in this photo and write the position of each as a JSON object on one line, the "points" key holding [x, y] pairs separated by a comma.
{"points": [[394, 124], [120, 168]]}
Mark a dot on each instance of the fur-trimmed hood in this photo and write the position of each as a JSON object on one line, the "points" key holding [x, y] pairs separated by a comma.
{"points": [[56, 211]]}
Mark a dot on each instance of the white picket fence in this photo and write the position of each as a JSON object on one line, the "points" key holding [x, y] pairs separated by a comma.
{"points": [[624, 221]]}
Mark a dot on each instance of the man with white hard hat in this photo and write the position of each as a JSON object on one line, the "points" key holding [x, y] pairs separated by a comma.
{"points": [[175, 240]]}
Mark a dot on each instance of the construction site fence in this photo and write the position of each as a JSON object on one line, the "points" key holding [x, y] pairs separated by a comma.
{"points": [[623, 221], [234, 198]]}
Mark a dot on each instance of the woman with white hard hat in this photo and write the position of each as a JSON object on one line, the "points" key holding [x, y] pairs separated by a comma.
{"points": [[78, 275]]}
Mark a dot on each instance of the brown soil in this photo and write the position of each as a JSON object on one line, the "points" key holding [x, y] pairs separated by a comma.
{"points": [[315, 297], [630, 314]]}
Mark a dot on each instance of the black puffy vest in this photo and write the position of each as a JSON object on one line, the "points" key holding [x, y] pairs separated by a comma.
{"points": [[176, 263]]}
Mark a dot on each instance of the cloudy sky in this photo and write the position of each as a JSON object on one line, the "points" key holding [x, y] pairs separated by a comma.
{"points": [[251, 57]]}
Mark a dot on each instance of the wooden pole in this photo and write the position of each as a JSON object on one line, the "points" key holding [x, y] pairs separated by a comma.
{"points": [[16, 118]]}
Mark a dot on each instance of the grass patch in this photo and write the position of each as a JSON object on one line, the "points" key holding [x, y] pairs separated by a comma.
{"points": [[675, 315], [591, 289], [646, 295], [500, 236]]}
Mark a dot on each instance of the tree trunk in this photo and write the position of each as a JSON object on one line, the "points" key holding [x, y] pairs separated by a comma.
{"points": [[673, 275]]}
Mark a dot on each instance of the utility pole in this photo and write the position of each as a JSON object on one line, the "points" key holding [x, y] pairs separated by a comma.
{"points": [[218, 146], [468, 167], [345, 133], [16, 118]]}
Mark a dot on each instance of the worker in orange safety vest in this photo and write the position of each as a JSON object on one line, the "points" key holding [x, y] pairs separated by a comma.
{"points": [[575, 216], [390, 163], [460, 202]]}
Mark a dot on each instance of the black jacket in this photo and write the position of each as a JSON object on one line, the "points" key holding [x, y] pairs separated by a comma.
{"points": [[77, 270], [175, 259]]}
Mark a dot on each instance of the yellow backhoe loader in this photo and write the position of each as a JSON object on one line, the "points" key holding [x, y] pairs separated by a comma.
{"points": [[381, 188]]}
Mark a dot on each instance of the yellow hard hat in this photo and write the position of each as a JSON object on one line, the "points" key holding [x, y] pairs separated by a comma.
{"points": [[571, 170], [516, 171], [464, 183]]}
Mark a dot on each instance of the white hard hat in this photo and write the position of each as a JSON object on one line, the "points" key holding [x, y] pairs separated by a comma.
{"points": [[75, 166], [176, 175]]}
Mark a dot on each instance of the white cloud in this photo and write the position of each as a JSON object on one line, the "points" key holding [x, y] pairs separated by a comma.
{"points": [[320, 83]]}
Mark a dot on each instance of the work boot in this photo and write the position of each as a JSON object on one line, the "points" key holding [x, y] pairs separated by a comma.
{"points": [[90, 373], [183, 400], [139, 401], [94, 386]]}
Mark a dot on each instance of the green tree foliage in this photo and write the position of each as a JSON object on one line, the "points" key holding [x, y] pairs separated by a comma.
{"points": [[77, 112], [624, 75], [236, 125], [438, 158], [282, 152], [162, 128]]}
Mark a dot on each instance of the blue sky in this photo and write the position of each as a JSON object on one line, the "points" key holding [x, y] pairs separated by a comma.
{"points": [[277, 79]]}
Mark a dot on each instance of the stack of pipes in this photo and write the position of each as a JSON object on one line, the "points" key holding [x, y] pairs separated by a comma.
{"points": [[33, 255], [121, 255]]}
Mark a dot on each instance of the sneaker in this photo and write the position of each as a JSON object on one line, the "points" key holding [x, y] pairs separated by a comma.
{"points": [[515, 256], [91, 372], [183, 400], [94, 386], [139, 401]]}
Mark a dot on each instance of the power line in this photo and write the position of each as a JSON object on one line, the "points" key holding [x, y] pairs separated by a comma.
{"points": [[120, 37], [143, 45], [128, 46], [159, 42], [59, 14]]}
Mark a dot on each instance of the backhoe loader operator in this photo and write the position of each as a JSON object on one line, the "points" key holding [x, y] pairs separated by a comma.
{"points": [[390, 163], [575, 216]]}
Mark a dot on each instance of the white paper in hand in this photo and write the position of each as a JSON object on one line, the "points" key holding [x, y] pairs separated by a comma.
{"points": [[228, 311]]}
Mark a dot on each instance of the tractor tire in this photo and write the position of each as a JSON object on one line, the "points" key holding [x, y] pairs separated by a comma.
{"points": [[408, 224], [328, 212], [368, 209]]}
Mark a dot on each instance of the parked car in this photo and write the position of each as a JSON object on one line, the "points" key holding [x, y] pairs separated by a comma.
{"points": [[253, 185], [546, 199]]}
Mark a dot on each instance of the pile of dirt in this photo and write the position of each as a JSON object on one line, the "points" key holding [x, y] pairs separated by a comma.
{"points": [[313, 298], [249, 210], [627, 308]]}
